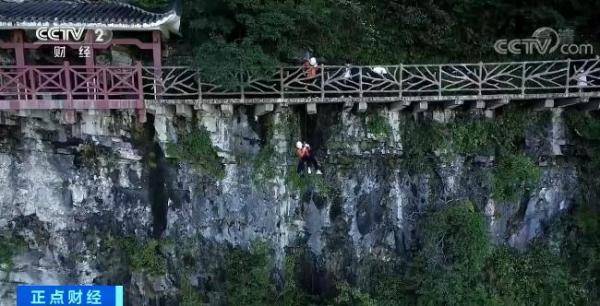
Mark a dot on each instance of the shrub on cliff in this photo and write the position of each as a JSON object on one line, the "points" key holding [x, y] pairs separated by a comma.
{"points": [[197, 149]]}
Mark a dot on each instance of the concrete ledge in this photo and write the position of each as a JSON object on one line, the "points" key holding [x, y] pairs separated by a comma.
{"points": [[362, 107], [262, 109], [227, 109], [184, 110], [454, 104], [543, 105], [311, 108], [419, 107], [495, 104], [568, 102], [398, 106]]}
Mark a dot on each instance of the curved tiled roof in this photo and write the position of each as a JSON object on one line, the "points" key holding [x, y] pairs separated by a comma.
{"points": [[28, 14]]}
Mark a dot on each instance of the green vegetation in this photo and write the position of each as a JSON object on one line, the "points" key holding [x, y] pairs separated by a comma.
{"points": [[145, 257], [292, 294], [9, 247], [513, 175], [449, 262], [531, 278], [248, 276], [425, 143], [378, 125], [197, 149], [265, 168], [453, 264], [582, 246], [189, 296], [308, 183], [226, 35], [419, 141]]}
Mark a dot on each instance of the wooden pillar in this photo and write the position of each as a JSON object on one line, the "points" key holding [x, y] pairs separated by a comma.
{"points": [[17, 38], [157, 64], [89, 41], [90, 62], [157, 60]]}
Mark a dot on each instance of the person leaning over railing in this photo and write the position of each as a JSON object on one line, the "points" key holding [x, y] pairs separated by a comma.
{"points": [[310, 67]]}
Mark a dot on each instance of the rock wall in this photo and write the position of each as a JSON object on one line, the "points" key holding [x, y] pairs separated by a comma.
{"points": [[69, 191]]}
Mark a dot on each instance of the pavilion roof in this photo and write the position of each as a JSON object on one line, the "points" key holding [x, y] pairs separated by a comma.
{"points": [[114, 15]]}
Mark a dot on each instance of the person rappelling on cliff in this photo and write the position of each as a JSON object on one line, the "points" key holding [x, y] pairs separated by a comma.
{"points": [[306, 158]]}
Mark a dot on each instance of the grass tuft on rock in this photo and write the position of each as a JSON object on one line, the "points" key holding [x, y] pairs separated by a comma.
{"points": [[197, 149]]}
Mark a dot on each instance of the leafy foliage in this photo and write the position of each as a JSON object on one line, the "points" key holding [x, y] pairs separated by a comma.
{"points": [[197, 149], [513, 175], [420, 140], [531, 278], [304, 183], [426, 142], [378, 125], [146, 257], [9, 247], [582, 243], [227, 34], [454, 250], [248, 276], [189, 295]]}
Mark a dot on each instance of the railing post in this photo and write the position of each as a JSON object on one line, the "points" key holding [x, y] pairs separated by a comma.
{"points": [[32, 84], [281, 84], [440, 80], [568, 75], [400, 80], [524, 65], [480, 79], [69, 102], [360, 82], [242, 85], [322, 82], [140, 88], [199, 78], [105, 84]]}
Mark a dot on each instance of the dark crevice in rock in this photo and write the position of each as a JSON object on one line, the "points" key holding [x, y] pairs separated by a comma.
{"points": [[156, 167]]}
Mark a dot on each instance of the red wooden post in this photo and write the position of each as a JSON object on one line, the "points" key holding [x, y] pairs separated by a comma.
{"points": [[140, 106], [32, 86], [90, 62], [69, 113], [17, 39], [105, 85]]}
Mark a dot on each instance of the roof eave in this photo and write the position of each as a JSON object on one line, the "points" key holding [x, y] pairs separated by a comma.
{"points": [[168, 24]]}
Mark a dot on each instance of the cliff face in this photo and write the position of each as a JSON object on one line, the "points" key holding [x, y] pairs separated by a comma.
{"points": [[78, 197]]}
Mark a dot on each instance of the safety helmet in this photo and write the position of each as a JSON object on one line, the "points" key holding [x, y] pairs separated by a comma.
{"points": [[312, 61], [299, 145]]}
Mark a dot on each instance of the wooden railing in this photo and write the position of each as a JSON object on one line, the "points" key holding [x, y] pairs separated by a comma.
{"points": [[104, 87], [384, 83], [70, 87]]}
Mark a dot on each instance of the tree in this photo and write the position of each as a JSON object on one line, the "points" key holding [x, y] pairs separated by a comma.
{"points": [[454, 250]]}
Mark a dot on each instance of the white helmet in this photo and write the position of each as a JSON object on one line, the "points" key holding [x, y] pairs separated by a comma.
{"points": [[312, 61], [299, 145]]}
